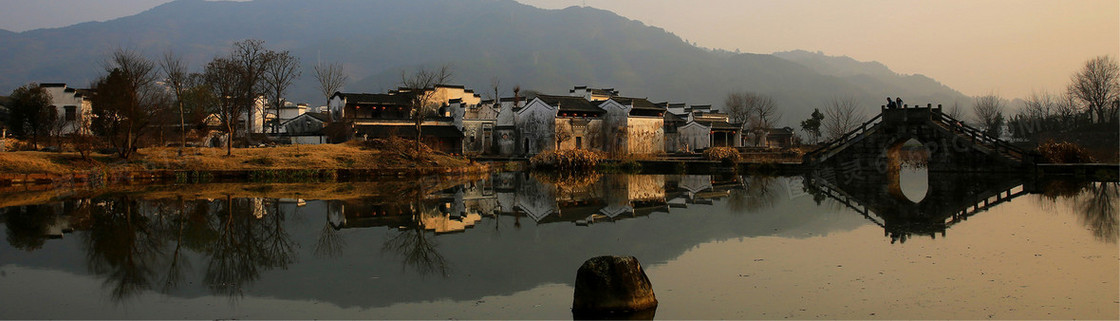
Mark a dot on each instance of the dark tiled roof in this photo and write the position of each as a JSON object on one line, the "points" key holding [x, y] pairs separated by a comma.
{"points": [[408, 131], [671, 117], [780, 131], [640, 104], [570, 104], [605, 91], [716, 124], [666, 104], [596, 91], [374, 99], [323, 117]]}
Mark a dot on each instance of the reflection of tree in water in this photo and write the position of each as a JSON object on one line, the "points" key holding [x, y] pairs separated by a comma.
{"points": [[27, 226], [124, 245], [177, 227], [137, 245], [245, 246], [330, 242], [570, 187], [761, 192], [417, 248], [1094, 202], [1097, 208]]}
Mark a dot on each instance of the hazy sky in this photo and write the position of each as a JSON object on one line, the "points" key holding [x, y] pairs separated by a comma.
{"points": [[1007, 47]]}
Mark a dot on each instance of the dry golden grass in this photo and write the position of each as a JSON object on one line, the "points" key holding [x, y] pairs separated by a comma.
{"points": [[328, 156], [43, 163]]}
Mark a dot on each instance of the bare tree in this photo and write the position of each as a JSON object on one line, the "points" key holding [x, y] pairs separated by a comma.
{"points": [[564, 133], [1098, 85], [331, 78], [252, 58], [282, 69], [176, 78], [127, 99], [841, 115], [955, 111], [735, 105], [222, 82], [1039, 105], [1065, 108], [989, 114], [755, 111], [496, 84], [420, 88]]}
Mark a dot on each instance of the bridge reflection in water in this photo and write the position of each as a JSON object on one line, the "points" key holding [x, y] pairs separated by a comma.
{"points": [[951, 197]]}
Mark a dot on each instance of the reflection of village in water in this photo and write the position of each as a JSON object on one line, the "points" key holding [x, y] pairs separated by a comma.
{"points": [[949, 199], [540, 199], [585, 200], [140, 244]]}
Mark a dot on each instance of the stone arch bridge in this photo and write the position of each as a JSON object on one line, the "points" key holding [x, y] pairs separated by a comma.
{"points": [[974, 171], [953, 146]]}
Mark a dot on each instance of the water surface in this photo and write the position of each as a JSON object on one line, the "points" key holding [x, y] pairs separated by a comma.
{"points": [[508, 245]]}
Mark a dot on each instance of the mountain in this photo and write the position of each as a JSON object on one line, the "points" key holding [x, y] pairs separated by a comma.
{"points": [[873, 76], [549, 51]]}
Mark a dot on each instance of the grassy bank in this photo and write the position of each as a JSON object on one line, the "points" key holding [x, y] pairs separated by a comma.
{"points": [[370, 157], [384, 189]]}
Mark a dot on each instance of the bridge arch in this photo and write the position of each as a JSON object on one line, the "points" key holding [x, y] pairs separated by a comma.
{"points": [[952, 145], [908, 170]]}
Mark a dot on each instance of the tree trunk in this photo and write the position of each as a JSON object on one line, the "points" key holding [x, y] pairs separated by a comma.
{"points": [[127, 144], [229, 139], [276, 123], [182, 128], [418, 125]]}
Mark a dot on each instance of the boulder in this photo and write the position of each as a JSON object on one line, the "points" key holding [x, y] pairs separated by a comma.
{"points": [[609, 285]]}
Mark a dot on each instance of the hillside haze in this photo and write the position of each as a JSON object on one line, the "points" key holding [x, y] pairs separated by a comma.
{"points": [[549, 51]]}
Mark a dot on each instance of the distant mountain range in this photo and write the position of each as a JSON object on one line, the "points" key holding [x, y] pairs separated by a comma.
{"points": [[549, 51]]}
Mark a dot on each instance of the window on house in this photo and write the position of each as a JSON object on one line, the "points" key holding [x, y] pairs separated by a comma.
{"points": [[71, 113]]}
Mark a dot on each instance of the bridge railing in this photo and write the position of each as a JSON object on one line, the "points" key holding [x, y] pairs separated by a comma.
{"points": [[980, 136], [839, 196], [986, 203], [839, 141]]}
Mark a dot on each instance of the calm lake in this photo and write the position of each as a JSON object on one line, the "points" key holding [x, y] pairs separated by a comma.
{"points": [[507, 245]]}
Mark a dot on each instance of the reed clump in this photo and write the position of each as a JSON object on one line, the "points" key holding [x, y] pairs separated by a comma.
{"points": [[567, 160], [1064, 153], [723, 154]]}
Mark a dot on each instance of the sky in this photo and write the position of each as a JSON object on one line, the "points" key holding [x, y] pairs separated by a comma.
{"points": [[1009, 48]]}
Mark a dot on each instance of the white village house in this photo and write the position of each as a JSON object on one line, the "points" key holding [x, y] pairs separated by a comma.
{"points": [[73, 106]]}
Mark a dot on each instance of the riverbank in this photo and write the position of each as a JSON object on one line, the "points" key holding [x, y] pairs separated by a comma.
{"points": [[281, 163]]}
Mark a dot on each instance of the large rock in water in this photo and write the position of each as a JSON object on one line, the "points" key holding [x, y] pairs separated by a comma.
{"points": [[612, 285]]}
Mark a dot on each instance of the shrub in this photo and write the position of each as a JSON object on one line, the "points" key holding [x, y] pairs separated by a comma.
{"points": [[12, 145], [1064, 152], [564, 160], [724, 154]]}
